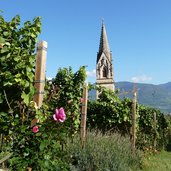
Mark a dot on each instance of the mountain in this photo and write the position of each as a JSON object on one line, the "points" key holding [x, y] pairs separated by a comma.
{"points": [[157, 96]]}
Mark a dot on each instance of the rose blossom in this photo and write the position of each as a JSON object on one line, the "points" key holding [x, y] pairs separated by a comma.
{"points": [[59, 115], [35, 129]]}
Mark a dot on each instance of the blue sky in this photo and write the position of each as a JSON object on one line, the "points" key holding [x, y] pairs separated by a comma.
{"points": [[139, 35]]}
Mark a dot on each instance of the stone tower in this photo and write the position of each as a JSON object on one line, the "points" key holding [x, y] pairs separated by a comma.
{"points": [[104, 66]]}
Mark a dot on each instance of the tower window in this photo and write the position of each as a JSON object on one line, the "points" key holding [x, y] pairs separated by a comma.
{"points": [[104, 72]]}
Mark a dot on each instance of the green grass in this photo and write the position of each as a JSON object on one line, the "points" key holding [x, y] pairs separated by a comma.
{"points": [[158, 162]]}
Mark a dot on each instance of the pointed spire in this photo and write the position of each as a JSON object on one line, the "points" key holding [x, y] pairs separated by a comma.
{"points": [[104, 45]]}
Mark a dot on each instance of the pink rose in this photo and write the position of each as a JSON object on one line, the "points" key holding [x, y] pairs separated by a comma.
{"points": [[35, 129], [59, 115]]}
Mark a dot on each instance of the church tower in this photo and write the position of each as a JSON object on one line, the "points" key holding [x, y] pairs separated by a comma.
{"points": [[104, 66]]}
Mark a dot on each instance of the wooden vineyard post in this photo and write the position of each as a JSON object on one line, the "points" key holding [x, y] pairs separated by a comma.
{"points": [[84, 115], [39, 82], [40, 72], [155, 137], [133, 129]]}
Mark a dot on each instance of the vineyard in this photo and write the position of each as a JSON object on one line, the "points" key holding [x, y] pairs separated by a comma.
{"points": [[53, 141]]}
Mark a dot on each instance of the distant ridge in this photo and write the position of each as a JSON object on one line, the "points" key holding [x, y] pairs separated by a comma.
{"points": [[157, 96]]}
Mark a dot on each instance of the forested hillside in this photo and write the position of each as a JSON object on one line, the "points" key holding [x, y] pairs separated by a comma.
{"points": [[158, 96]]}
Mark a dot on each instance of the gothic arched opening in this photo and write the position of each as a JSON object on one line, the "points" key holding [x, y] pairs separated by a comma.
{"points": [[104, 72]]}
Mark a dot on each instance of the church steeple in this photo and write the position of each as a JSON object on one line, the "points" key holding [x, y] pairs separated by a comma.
{"points": [[104, 45], [104, 66]]}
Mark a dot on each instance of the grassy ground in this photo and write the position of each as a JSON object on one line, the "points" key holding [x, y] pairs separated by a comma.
{"points": [[158, 162]]}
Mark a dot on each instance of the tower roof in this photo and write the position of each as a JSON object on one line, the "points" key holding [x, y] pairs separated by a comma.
{"points": [[104, 45]]}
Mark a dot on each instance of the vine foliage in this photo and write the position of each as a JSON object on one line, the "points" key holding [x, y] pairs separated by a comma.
{"points": [[110, 113], [17, 63], [40, 146]]}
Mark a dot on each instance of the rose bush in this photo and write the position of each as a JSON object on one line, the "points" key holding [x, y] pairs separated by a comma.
{"points": [[40, 145]]}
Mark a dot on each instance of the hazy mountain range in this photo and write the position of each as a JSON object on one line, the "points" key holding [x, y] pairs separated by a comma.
{"points": [[158, 96]]}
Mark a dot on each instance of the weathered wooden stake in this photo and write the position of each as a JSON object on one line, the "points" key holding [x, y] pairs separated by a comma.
{"points": [[133, 132], [155, 137], [1, 141], [29, 168], [40, 72], [84, 115], [39, 82]]}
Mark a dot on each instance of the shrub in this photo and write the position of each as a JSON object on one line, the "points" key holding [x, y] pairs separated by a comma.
{"points": [[102, 153]]}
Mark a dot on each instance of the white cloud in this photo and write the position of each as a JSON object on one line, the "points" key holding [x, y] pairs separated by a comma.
{"points": [[91, 73], [49, 78], [141, 78]]}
